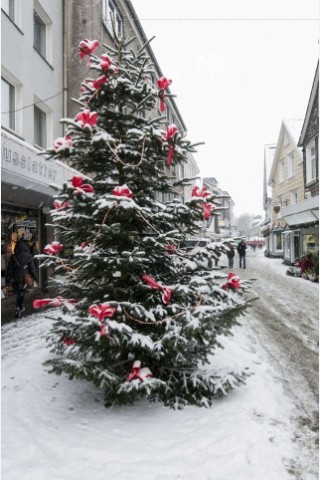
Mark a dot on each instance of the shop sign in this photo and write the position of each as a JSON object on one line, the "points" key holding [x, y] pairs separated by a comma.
{"points": [[19, 158]]}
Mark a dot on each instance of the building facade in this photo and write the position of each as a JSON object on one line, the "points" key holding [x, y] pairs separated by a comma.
{"points": [[286, 182], [302, 218], [41, 73], [32, 105], [96, 21]]}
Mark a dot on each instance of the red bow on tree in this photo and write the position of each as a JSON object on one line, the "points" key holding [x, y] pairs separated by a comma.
{"points": [[63, 143], [122, 191], [138, 372], [54, 302], [169, 137], [86, 47], [105, 64], [163, 84], [80, 187], [207, 210], [57, 204], [86, 118], [196, 192], [166, 291], [233, 282], [53, 248], [101, 311]]}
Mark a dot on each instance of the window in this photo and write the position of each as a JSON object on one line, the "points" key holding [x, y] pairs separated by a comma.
{"points": [[290, 165], [278, 241], [311, 171], [8, 7], [112, 16], [281, 171], [8, 105], [40, 34], [40, 127], [294, 196]]}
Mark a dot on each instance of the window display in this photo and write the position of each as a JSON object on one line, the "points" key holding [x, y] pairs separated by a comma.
{"points": [[16, 224]]}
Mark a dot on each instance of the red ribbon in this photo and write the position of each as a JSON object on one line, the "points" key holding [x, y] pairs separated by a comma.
{"points": [[138, 372], [163, 84], [207, 210], [53, 302], [87, 118], [196, 192], [80, 187], [53, 248], [101, 311], [99, 82], [122, 191], [169, 137], [166, 291], [57, 204], [86, 47], [63, 143], [233, 282]]}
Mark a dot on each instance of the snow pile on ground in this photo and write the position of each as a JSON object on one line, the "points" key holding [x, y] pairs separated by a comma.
{"points": [[55, 428]]}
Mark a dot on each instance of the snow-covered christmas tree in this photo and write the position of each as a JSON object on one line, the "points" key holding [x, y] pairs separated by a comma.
{"points": [[140, 315]]}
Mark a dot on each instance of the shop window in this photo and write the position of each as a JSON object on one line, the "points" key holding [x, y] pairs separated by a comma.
{"points": [[16, 224], [311, 243], [40, 127], [8, 104], [278, 241], [111, 15]]}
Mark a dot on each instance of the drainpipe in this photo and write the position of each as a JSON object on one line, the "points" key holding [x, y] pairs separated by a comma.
{"points": [[64, 57]]}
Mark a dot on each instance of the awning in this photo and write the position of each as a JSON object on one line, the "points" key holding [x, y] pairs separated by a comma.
{"points": [[301, 218]]}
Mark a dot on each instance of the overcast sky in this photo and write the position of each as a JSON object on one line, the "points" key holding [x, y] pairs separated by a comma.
{"points": [[238, 67]]}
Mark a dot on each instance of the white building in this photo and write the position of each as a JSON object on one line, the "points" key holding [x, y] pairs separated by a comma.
{"points": [[32, 98]]}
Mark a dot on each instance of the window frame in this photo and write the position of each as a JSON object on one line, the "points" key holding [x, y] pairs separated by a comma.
{"points": [[42, 132], [11, 124], [281, 171], [106, 17], [311, 162], [294, 196], [41, 46], [291, 170], [10, 12]]}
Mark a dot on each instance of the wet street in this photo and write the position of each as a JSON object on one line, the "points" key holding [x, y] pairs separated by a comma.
{"points": [[285, 320]]}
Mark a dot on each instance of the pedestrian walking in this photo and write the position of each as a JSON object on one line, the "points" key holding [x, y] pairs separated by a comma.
{"points": [[230, 255], [20, 263], [242, 253]]}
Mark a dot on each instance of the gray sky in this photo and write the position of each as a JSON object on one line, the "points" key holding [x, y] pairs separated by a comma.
{"points": [[238, 67]]}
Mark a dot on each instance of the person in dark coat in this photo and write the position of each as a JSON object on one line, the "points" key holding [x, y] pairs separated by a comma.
{"points": [[230, 255], [20, 262], [242, 253]]}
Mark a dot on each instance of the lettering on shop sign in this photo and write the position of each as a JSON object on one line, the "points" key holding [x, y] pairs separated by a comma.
{"points": [[23, 221], [20, 159]]}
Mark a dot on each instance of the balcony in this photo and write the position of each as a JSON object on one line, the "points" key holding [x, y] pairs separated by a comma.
{"points": [[306, 211]]}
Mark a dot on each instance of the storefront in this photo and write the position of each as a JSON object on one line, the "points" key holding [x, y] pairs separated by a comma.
{"points": [[18, 223], [291, 245], [28, 184]]}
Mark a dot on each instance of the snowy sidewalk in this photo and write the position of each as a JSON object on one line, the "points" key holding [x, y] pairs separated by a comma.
{"points": [[56, 428]]}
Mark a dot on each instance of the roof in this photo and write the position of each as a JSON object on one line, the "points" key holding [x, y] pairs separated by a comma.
{"points": [[293, 128], [314, 89]]}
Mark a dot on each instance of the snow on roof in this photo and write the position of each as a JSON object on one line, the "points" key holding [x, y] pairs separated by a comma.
{"points": [[294, 126]]}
